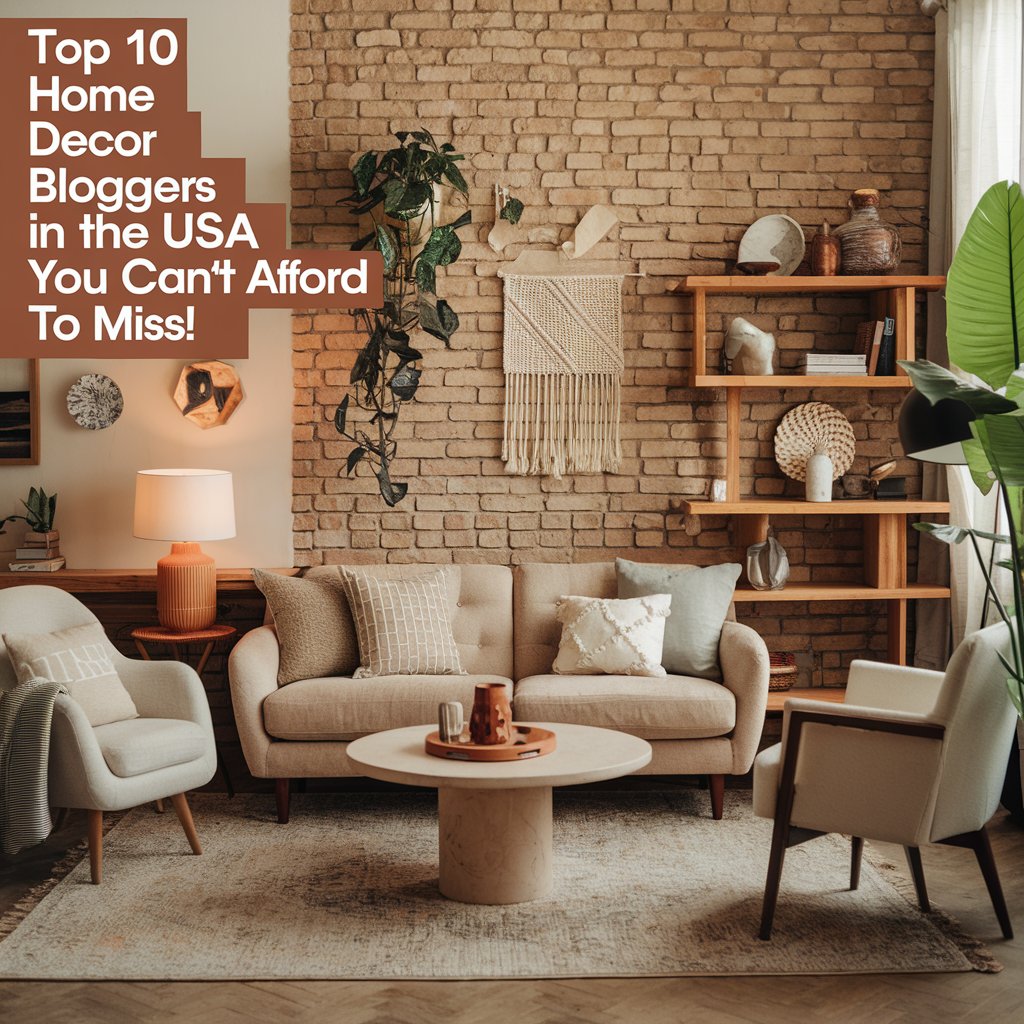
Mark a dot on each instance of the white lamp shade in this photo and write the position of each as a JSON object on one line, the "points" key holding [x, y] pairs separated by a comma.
{"points": [[184, 504]]}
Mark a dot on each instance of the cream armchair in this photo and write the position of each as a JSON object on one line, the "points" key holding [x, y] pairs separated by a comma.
{"points": [[912, 757], [166, 751]]}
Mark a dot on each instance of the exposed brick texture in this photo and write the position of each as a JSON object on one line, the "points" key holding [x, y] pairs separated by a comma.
{"points": [[691, 117]]}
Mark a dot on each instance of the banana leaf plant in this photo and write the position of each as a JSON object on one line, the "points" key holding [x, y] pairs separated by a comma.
{"points": [[985, 336], [399, 190]]}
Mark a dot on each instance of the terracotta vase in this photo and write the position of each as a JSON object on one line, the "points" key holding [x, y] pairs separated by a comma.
{"points": [[491, 719]]}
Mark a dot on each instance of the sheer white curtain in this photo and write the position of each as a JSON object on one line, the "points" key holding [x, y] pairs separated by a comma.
{"points": [[985, 52]]}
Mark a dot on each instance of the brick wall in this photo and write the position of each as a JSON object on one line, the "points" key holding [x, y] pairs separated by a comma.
{"points": [[691, 117]]}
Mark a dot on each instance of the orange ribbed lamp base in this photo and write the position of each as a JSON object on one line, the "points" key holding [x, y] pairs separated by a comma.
{"points": [[186, 589]]}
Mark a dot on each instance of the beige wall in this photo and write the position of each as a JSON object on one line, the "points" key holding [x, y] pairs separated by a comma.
{"points": [[691, 119], [238, 80]]}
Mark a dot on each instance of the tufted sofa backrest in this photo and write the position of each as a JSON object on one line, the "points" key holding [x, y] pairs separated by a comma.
{"points": [[481, 612]]}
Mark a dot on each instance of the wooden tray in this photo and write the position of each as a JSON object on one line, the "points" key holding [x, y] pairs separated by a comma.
{"points": [[530, 741]]}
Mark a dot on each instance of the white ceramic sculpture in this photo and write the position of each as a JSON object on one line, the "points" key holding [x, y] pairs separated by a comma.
{"points": [[819, 476], [748, 350]]}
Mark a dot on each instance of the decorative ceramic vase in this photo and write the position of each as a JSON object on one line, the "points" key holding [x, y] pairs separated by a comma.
{"points": [[491, 720], [819, 476], [825, 259], [449, 721], [868, 245], [767, 565], [748, 350]]}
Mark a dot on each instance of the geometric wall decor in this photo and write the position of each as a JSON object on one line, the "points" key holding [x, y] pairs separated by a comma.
{"points": [[208, 393]]}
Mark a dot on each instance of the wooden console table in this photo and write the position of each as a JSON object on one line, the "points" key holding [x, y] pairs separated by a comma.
{"points": [[119, 581]]}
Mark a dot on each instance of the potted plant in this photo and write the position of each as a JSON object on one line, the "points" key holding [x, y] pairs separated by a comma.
{"points": [[400, 191], [985, 334], [40, 508]]}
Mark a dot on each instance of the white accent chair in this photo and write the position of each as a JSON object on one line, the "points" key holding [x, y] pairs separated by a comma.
{"points": [[166, 751], [912, 757]]}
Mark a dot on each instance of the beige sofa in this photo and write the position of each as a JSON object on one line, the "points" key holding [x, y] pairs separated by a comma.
{"points": [[504, 624]]}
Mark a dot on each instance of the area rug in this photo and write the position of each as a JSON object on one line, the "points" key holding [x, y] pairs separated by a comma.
{"points": [[646, 884]]}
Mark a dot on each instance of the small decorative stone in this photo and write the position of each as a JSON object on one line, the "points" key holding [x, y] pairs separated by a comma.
{"points": [[208, 393]]}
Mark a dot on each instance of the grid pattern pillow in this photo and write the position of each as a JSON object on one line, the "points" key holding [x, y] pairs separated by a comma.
{"points": [[79, 658], [605, 635], [403, 625], [314, 626]]}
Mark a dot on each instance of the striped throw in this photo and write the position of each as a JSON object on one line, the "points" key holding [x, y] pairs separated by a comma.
{"points": [[25, 716]]}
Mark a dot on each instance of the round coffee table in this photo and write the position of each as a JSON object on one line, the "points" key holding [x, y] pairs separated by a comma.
{"points": [[494, 819]]}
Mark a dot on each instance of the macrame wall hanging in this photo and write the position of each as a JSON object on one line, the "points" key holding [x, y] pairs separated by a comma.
{"points": [[563, 374]]}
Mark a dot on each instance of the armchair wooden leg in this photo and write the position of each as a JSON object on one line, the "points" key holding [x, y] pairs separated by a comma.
{"points": [[283, 792], [716, 783], [780, 842], [856, 855], [917, 870], [979, 843], [185, 817], [96, 846]]}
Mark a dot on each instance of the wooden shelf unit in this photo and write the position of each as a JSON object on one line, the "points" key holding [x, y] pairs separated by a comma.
{"points": [[885, 522], [832, 694]]}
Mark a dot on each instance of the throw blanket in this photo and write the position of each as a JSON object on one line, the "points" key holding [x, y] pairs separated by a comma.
{"points": [[25, 716], [563, 374]]}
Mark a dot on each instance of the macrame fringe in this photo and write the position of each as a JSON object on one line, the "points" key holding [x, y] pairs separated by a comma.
{"points": [[558, 423]]}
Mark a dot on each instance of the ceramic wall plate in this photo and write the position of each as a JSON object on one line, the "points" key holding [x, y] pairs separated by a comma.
{"points": [[808, 428], [776, 237], [95, 401]]}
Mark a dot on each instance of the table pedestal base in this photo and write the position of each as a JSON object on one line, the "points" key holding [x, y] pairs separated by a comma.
{"points": [[495, 844]]}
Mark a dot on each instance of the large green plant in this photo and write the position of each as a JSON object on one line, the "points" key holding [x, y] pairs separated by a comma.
{"points": [[399, 191], [985, 334]]}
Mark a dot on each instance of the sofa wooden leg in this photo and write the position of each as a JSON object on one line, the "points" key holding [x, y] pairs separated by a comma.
{"points": [[780, 841], [283, 792], [917, 871], [716, 783], [96, 846], [856, 855], [185, 817]]}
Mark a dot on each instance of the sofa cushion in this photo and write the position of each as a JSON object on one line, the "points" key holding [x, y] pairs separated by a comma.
{"points": [[666, 708], [314, 625], [404, 626], [701, 599], [149, 744], [344, 709], [601, 634]]}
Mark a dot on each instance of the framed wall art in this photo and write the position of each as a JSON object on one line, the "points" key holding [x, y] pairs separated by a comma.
{"points": [[19, 412]]}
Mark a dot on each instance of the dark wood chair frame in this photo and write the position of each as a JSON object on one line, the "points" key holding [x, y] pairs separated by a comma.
{"points": [[785, 835]]}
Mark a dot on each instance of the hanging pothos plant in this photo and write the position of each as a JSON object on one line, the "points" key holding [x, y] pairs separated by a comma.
{"points": [[400, 190]]}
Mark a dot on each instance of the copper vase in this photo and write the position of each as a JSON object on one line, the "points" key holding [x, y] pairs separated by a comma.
{"points": [[491, 718]]}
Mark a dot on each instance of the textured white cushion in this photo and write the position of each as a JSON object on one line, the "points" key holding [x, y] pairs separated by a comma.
{"points": [[403, 625], [80, 659], [149, 744], [599, 634]]}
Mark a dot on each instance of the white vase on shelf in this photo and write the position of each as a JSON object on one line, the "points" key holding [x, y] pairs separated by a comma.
{"points": [[819, 476]]}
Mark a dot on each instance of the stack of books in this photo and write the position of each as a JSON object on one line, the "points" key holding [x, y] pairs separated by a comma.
{"points": [[876, 339], [831, 364], [40, 552]]}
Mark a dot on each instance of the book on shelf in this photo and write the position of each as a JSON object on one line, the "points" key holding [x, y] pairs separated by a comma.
{"points": [[35, 554], [833, 364], [37, 565], [886, 363], [865, 337], [34, 539], [876, 345]]}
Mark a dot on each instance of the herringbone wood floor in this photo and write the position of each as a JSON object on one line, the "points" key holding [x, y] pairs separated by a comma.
{"points": [[954, 882]]}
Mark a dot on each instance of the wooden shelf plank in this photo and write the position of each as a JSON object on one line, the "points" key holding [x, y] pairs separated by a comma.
{"points": [[796, 507], [839, 592], [830, 694], [740, 284], [102, 581], [798, 380]]}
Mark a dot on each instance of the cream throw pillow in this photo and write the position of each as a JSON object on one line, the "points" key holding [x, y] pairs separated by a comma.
{"points": [[403, 625], [612, 636], [79, 658]]}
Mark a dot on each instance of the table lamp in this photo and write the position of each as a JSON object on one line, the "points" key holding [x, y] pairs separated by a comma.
{"points": [[185, 506]]}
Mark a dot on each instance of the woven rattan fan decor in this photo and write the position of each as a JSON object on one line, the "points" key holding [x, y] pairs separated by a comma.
{"points": [[807, 428]]}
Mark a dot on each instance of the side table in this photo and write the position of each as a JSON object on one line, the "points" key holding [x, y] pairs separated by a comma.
{"points": [[209, 638]]}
